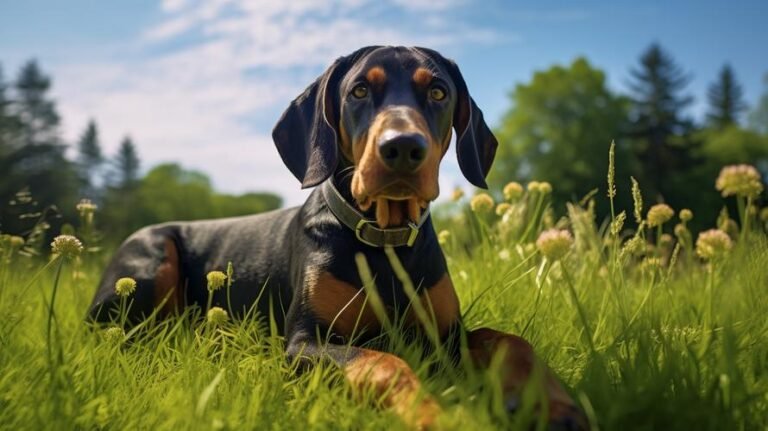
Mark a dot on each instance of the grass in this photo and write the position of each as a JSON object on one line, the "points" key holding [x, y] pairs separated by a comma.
{"points": [[646, 338]]}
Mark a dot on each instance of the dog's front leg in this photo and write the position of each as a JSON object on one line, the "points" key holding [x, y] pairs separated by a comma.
{"points": [[391, 380], [517, 365]]}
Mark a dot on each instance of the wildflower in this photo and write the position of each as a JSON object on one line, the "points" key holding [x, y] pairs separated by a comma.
{"points": [[217, 316], [216, 280], [740, 180], [686, 215], [637, 198], [713, 244], [512, 191], [659, 214], [504, 254], [502, 208], [554, 243], [545, 188], [443, 237], [11, 242], [457, 194], [67, 246], [114, 335], [125, 287], [683, 235], [86, 208], [481, 203], [533, 186]]}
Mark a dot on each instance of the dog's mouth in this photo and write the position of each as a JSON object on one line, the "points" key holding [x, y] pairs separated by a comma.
{"points": [[395, 204]]}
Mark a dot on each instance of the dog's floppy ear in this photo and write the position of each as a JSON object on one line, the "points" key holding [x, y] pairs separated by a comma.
{"points": [[475, 143], [306, 135]]}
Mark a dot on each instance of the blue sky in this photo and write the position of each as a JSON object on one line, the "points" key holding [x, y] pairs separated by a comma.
{"points": [[202, 82]]}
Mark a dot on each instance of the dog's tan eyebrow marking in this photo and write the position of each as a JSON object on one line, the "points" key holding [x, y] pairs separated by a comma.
{"points": [[422, 77], [376, 76]]}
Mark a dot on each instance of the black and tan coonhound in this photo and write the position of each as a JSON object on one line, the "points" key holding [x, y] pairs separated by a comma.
{"points": [[370, 132]]}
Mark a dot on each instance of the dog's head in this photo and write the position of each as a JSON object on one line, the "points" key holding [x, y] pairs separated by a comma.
{"points": [[387, 111]]}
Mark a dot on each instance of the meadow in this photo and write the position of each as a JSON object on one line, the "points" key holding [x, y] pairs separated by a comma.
{"points": [[649, 325]]}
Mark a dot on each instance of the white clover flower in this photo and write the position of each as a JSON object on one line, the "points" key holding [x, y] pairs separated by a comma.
{"points": [[481, 203], [713, 244], [512, 191], [659, 214], [740, 180], [67, 246], [554, 243]]}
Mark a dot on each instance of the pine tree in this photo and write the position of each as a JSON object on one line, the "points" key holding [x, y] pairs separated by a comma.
{"points": [[758, 117], [725, 100], [33, 159], [89, 147], [127, 163], [9, 124], [89, 159], [658, 123], [36, 112]]}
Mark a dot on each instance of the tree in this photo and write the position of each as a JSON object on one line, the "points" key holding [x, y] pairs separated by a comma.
{"points": [[559, 129], [662, 135], [169, 192], [31, 155], [758, 118], [725, 100], [89, 158], [36, 112], [127, 164], [9, 123]]}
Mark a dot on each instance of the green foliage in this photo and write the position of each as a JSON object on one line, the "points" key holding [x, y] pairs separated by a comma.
{"points": [[168, 192], [558, 125]]}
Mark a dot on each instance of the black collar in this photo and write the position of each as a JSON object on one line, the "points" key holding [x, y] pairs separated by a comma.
{"points": [[366, 229]]}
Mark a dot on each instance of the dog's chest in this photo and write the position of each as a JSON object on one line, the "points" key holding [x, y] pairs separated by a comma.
{"points": [[348, 310]]}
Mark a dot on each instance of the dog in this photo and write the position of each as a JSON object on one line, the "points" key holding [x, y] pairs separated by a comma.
{"points": [[369, 134]]}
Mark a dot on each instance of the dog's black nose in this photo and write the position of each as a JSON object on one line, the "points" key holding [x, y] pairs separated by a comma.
{"points": [[402, 152]]}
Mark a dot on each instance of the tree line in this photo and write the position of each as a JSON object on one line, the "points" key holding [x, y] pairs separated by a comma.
{"points": [[562, 122], [40, 186]]}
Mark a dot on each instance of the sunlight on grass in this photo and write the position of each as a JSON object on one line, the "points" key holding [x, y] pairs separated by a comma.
{"points": [[649, 328]]}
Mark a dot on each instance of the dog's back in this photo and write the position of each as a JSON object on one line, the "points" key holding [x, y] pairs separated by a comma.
{"points": [[170, 261]]}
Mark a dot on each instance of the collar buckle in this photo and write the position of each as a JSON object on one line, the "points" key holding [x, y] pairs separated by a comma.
{"points": [[359, 231]]}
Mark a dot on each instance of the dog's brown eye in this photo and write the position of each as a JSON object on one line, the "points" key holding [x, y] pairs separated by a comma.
{"points": [[360, 91], [437, 93]]}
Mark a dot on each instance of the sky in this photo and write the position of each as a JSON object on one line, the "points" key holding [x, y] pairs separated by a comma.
{"points": [[202, 83]]}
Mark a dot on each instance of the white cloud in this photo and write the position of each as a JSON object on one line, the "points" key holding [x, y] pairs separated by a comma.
{"points": [[230, 64]]}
